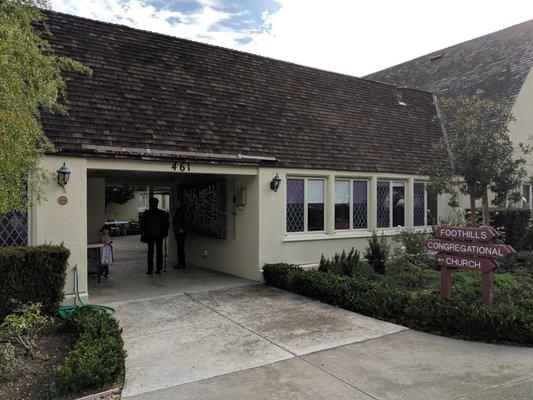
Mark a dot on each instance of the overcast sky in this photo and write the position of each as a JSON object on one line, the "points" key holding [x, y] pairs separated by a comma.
{"points": [[355, 37]]}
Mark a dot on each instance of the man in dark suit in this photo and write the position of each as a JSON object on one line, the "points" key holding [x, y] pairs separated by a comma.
{"points": [[154, 227]]}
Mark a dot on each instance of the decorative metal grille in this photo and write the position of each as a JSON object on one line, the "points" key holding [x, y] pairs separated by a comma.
{"points": [[383, 211], [360, 205], [419, 208], [14, 229], [295, 205]]}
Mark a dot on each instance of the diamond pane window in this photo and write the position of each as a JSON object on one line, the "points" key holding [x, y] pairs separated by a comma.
{"points": [[431, 208], [295, 205], [383, 208], [398, 204], [360, 204], [419, 204], [14, 229], [342, 204], [315, 205]]}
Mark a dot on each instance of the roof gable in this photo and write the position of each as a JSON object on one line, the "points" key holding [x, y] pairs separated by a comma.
{"points": [[497, 63]]}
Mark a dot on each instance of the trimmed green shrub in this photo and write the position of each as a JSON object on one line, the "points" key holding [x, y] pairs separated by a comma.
{"points": [[97, 358], [32, 274], [377, 252], [413, 243], [422, 310], [513, 223], [280, 275], [341, 264]]}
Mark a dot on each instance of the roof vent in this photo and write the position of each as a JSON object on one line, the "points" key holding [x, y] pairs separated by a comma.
{"points": [[400, 96], [436, 56]]}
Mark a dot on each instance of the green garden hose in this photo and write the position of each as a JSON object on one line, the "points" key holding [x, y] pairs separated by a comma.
{"points": [[66, 311]]}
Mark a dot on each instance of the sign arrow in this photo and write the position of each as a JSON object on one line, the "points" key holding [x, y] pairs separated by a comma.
{"points": [[482, 234], [458, 261], [470, 249]]}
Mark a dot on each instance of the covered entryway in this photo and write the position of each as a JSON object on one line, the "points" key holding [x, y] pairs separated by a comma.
{"points": [[221, 208]]}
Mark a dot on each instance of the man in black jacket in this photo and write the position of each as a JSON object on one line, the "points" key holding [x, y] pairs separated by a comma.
{"points": [[154, 227]]}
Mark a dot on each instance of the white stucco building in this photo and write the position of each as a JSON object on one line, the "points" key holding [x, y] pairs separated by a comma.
{"points": [[216, 126]]}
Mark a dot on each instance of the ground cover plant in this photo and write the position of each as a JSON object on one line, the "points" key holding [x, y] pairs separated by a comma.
{"points": [[405, 290]]}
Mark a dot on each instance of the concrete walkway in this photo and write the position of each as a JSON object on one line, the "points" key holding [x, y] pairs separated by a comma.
{"points": [[221, 337]]}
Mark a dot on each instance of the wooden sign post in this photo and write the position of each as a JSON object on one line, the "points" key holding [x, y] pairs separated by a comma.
{"points": [[468, 248]]}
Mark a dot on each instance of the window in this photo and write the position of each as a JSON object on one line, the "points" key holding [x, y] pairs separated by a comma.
{"points": [[351, 204], [143, 201], [14, 229], [342, 204], [390, 204], [305, 205], [425, 205], [528, 196]]}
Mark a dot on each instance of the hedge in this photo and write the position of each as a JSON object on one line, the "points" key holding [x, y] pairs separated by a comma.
{"points": [[424, 311], [96, 360], [514, 223], [32, 274]]}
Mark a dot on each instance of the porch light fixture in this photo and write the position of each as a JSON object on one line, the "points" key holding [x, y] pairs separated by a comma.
{"points": [[63, 175], [274, 183]]}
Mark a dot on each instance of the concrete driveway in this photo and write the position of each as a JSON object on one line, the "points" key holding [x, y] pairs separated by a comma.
{"points": [[250, 341], [198, 334]]}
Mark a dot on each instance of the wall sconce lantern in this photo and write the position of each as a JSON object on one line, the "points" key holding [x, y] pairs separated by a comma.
{"points": [[274, 183], [63, 175]]}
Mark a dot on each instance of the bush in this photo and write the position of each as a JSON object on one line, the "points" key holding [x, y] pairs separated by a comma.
{"points": [[343, 264], [410, 275], [32, 274], [414, 243], [513, 223], [377, 252], [23, 326], [528, 243], [97, 357], [280, 275], [424, 310], [8, 360]]}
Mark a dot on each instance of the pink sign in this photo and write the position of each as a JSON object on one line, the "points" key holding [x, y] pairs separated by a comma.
{"points": [[456, 261], [483, 234], [470, 249]]}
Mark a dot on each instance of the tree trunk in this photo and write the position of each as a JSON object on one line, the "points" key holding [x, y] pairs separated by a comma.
{"points": [[473, 215], [485, 207]]}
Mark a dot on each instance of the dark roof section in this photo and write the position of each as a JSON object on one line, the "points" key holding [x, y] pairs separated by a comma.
{"points": [[497, 63], [175, 96]]}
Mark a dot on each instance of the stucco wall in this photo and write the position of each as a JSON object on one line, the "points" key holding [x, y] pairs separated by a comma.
{"points": [[67, 224], [95, 208], [521, 130], [238, 253], [124, 212]]}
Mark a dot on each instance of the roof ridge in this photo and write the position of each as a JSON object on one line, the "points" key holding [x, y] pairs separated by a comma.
{"points": [[171, 37], [443, 49]]}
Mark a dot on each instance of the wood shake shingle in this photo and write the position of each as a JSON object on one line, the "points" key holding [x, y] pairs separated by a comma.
{"points": [[175, 96]]}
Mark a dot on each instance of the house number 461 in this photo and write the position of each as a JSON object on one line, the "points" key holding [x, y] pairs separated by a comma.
{"points": [[181, 166]]}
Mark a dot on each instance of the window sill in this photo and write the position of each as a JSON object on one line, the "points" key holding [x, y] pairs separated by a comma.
{"points": [[301, 237]]}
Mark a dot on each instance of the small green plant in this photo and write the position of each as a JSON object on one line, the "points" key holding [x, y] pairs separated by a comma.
{"points": [[343, 264], [377, 252], [23, 326], [8, 360], [97, 358], [413, 243]]}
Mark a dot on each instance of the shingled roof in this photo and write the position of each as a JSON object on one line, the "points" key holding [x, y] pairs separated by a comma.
{"points": [[182, 98], [497, 63]]}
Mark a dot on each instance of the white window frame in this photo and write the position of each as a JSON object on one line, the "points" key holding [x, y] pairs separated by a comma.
{"points": [[425, 206], [326, 203], [350, 203], [391, 182]]}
